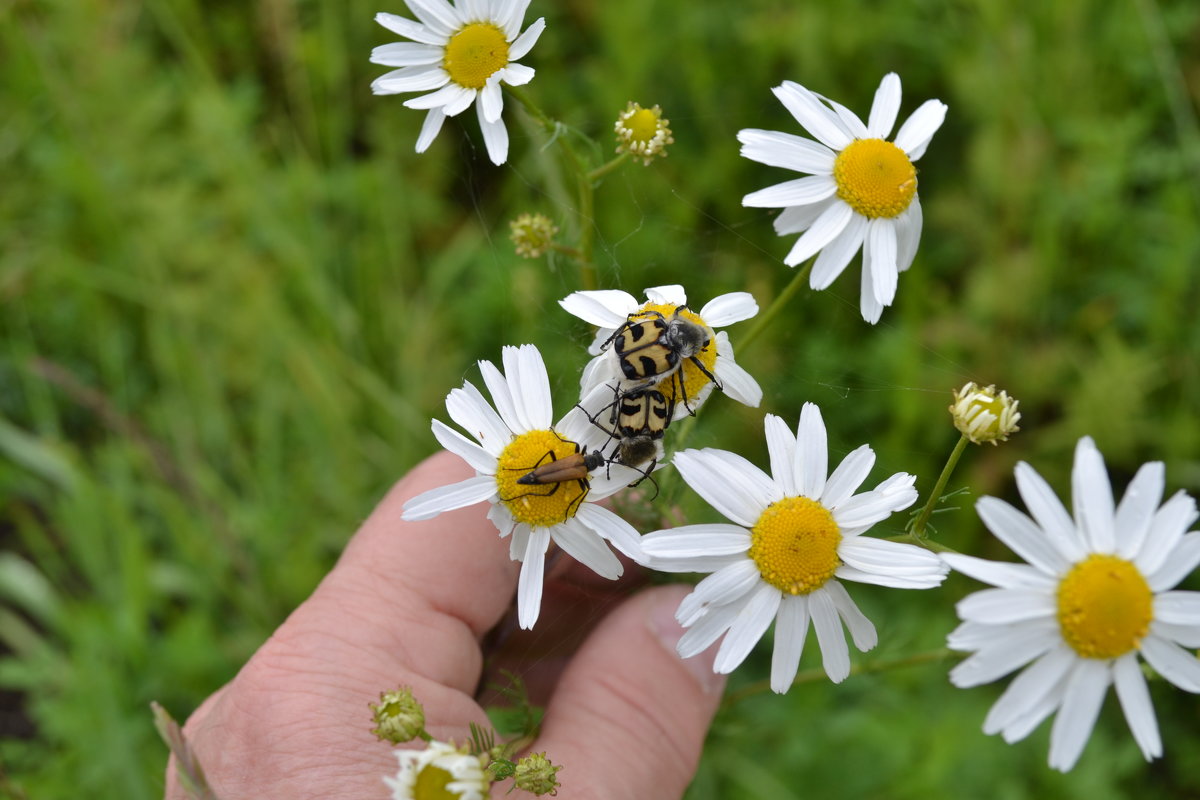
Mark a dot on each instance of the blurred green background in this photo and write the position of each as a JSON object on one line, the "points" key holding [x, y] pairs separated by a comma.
{"points": [[232, 297]]}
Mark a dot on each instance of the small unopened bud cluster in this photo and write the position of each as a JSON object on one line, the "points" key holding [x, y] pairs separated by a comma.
{"points": [[643, 132], [532, 234], [536, 774], [983, 414], [398, 716]]}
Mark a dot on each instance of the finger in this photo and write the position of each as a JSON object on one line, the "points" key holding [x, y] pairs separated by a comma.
{"points": [[627, 699], [418, 594]]}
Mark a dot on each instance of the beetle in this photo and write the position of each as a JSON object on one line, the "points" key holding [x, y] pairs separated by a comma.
{"points": [[650, 347], [638, 420], [556, 472]]}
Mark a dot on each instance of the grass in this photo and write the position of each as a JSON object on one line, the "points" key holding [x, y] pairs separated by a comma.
{"points": [[231, 298]]}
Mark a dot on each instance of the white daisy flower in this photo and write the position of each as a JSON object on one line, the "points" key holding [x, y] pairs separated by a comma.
{"points": [[511, 444], [861, 191], [440, 770], [609, 309], [1094, 594], [796, 532], [460, 50]]}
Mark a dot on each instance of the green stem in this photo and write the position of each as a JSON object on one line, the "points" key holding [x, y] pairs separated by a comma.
{"points": [[918, 529], [764, 319], [818, 675], [585, 210], [602, 170]]}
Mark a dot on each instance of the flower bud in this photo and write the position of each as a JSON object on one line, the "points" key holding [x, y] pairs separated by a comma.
{"points": [[536, 774], [398, 716], [983, 414], [643, 132], [533, 234]]}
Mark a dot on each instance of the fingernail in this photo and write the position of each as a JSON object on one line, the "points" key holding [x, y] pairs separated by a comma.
{"points": [[661, 621]]}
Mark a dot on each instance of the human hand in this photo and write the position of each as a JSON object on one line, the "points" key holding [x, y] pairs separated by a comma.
{"points": [[408, 604]]}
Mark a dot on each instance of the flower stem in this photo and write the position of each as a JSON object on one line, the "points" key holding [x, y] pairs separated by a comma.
{"points": [[815, 675], [764, 319], [602, 170], [585, 206], [918, 529]]}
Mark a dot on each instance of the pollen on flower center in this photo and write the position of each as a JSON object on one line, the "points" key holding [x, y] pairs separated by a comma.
{"points": [[1104, 607], [875, 178], [794, 544], [475, 53], [687, 382], [538, 505]]}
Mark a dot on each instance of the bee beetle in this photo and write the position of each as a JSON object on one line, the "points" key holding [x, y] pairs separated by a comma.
{"points": [[639, 418], [650, 347]]}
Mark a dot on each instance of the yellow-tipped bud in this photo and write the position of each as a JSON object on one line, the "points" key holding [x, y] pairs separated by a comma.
{"points": [[533, 234], [536, 774], [643, 132], [983, 414], [398, 716]]}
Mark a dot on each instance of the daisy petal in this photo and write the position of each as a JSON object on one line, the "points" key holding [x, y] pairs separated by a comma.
{"points": [[671, 294], [516, 74], [836, 255], [410, 29], [850, 121], [471, 412], [736, 382], [1180, 608], [786, 150], [1050, 514], [495, 138], [791, 628], [752, 621], [781, 446], [1029, 688], [892, 558], [997, 573], [428, 505], [448, 97], [411, 79], [529, 586], [868, 305], [808, 110], [1183, 635], [796, 192], [707, 630], [525, 42], [811, 461], [722, 587], [885, 107], [908, 234], [430, 128], [438, 15], [708, 475], [823, 231], [1179, 666], [581, 544], [1010, 649], [605, 308], [406, 54], [491, 101], [881, 244], [1166, 530], [1137, 506], [1006, 606], [511, 24], [1178, 566], [1134, 697], [848, 476], [696, 541], [729, 308], [1076, 717], [862, 630], [914, 135], [1093, 497], [1020, 533], [479, 459], [798, 219], [835, 654], [868, 508], [612, 527]]}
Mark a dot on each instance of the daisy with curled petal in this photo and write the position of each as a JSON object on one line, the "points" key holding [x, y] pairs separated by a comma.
{"points": [[510, 441], [795, 533], [1095, 593], [460, 51], [440, 770], [609, 309], [861, 191]]}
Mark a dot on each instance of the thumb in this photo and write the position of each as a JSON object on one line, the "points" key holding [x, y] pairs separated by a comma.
{"points": [[629, 717]]}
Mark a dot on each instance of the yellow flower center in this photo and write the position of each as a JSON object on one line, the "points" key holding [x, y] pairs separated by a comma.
{"points": [[688, 380], [474, 53], [642, 125], [538, 505], [875, 178], [1104, 607], [794, 543], [431, 784]]}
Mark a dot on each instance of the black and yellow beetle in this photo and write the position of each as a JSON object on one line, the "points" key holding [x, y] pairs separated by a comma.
{"points": [[651, 347]]}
